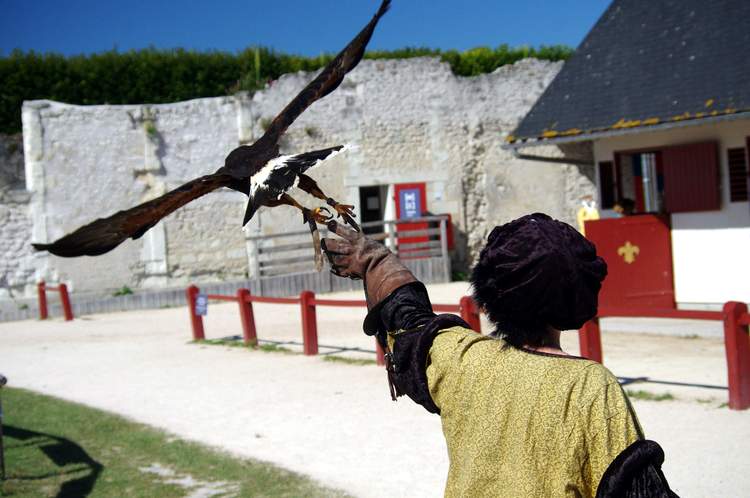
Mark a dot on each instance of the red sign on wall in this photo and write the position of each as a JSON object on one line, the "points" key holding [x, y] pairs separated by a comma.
{"points": [[638, 252], [411, 202]]}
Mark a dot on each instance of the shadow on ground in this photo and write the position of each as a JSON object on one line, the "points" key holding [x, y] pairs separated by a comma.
{"points": [[67, 456]]}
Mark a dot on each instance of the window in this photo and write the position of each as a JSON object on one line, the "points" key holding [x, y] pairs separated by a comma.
{"points": [[737, 174], [674, 179]]}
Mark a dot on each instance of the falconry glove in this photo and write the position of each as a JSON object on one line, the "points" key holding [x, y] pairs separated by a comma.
{"points": [[358, 257]]}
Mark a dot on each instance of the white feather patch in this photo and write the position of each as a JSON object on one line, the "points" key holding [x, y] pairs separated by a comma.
{"points": [[259, 179]]}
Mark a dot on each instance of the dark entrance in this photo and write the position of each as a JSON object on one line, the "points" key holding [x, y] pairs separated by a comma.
{"points": [[372, 202]]}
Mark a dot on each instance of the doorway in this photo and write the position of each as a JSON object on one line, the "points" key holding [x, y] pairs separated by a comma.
{"points": [[372, 202]]}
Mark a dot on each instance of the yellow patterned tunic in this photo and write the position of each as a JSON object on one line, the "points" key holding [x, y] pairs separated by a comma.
{"points": [[522, 424]]}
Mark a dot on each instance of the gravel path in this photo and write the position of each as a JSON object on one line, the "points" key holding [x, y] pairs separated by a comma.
{"points": [[335, 422]]}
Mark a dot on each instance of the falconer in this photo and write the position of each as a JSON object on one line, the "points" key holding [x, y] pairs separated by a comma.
{"points": [[521, 417]]}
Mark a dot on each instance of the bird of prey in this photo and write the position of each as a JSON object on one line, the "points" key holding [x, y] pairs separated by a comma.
{"points": [[257, 170]]}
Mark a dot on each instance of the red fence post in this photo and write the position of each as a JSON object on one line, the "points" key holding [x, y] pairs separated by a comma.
{"points": [[65, 300], [247, 318], [470, 313], [590, 340], [737, 343], [379, 354], [196, 321], [42, 293], [309, 323]]}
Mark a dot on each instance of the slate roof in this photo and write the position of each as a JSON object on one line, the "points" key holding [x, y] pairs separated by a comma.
{"points": [[646, 63]]}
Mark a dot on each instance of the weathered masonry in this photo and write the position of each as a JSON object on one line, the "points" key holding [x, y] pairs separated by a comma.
{"points": [[416, 126]]}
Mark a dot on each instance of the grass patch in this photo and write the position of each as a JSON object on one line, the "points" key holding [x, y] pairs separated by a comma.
{"points": [[649, 396], [232, 343], [349, 361], [235, 343], [57, 448], [274, 348], [123, 291]]}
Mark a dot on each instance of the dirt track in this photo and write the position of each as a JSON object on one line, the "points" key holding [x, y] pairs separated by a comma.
{"points": [[335, 422]]}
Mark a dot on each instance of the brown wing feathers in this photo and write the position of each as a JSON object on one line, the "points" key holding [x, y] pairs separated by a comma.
{"points": [[104, 234], [328, 80]]}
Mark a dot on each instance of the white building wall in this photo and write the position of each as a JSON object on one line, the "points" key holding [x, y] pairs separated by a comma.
{"points": [[413, 120], [711, 249]]}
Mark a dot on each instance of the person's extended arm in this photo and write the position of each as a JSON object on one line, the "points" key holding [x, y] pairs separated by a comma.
{"points": [[398, 306]]}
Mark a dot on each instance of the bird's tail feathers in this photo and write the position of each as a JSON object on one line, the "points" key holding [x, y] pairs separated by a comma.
{"points": [[250, 210]]}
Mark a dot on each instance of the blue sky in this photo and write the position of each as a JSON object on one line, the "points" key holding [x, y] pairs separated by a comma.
{"points": [[306, 27]]}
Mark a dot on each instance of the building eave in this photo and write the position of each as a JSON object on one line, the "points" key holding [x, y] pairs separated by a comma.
{"points": [[515, 144]]}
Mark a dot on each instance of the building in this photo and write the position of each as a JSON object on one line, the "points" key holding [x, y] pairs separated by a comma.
{"points": [[661, 89], [427, 143]]}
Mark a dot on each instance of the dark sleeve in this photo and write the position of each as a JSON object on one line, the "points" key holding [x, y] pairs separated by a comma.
{"points": [[407, 315], [408, 307], [636, 473]]}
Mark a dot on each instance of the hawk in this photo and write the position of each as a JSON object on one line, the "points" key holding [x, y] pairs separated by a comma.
{"points": [[256, 170]]}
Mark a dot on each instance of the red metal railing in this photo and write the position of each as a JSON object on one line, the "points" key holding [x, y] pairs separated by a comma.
{"points": [[42, 289], [735, 317], [308, 307]]}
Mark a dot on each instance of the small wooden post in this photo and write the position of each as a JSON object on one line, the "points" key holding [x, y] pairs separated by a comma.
{"points": [[196, 321], [470, 313], [65, 300], [590, 341], [737, 344], [247, 318], [41, 290], [309, 323], [445, 258]]}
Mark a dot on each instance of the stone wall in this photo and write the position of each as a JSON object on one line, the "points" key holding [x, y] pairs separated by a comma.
{"points": [[413, 120], [16, 259]]}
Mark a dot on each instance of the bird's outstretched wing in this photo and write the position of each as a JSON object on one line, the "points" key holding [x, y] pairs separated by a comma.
{"points": [[327, 81], [104, 234]]}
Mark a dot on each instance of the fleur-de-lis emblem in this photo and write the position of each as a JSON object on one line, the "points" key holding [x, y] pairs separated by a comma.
{"points": [[628, 252]]}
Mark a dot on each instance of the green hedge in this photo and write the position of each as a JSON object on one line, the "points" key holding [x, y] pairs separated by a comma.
{"points": [[158, 76]]}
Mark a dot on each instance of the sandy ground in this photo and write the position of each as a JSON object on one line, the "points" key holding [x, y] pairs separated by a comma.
{"points": [[335, 422]]}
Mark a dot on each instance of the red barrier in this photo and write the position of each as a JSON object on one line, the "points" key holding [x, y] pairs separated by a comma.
{"points": [[737, 344], [590, 341], [42, 289], [736, 341], [470, 313], [244, 299], [196, 321], [308, 303], [309, 323]]}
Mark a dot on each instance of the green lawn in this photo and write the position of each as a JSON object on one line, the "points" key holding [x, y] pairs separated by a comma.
{"points": [[61, 449]]}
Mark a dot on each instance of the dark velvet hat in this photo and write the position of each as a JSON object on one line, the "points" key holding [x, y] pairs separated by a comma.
{"points": [[536, 271]]}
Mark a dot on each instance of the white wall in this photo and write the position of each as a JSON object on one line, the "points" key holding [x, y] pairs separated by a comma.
{"points": [[711, 249], [412, 119]]}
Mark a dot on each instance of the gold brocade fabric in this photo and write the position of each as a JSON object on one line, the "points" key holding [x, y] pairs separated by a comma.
{"points": [[522, 424]]}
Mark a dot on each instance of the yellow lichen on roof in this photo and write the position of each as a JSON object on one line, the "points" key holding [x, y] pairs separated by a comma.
{"points": [[510, 139], [681, 117], [709, 102], [550, 133], [623, 123], [650, 121], [572, 131]]}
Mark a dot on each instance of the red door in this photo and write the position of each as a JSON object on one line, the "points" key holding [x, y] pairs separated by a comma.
{"points": [[411, 202], [638, 252]]}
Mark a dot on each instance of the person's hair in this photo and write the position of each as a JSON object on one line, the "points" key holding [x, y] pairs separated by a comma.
{"points": [[531, 331]]}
